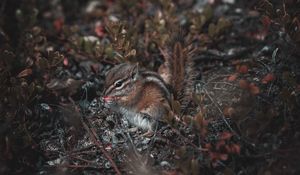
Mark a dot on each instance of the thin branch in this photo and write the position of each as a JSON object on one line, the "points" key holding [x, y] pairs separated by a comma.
{"points": [[222, 115], [93, 136]]}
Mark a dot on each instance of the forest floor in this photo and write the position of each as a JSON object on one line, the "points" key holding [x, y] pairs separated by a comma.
{"points": [[55, 55]]}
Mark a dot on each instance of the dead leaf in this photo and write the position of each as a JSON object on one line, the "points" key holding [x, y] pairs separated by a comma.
{"points": [[25, 73], [236, 62], [176, 106], [42, 63], [228, 111], [187, 119]]}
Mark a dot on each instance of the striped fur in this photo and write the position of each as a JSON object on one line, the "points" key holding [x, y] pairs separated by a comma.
{"points": [[142, 98]]}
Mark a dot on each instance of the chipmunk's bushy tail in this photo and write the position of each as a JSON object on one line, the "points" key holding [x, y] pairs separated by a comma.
{"points": [[178, 69]]}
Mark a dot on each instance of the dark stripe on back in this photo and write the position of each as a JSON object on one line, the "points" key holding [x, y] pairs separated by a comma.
{"points": [[154, 77]]}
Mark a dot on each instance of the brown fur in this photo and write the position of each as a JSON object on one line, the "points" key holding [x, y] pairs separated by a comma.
{"points": [[178, 71], [148, 99], [151, 101], [146, 96]]}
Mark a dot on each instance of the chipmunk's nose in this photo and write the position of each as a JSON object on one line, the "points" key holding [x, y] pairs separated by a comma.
{"points": [[106, 99]]}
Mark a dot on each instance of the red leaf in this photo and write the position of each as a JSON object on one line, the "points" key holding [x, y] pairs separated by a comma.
{"points": [[269, 77], [244, 84], [235, 148], [99, 30], [220, 144], [225, 135], [58, 23], [266, 21], [25, 73], [243, 69], [232, 77], [223, 156], [213, 156], [66, 62], [207, 145], [227, 148], [170, 172], [254, 90], [259, 35]]}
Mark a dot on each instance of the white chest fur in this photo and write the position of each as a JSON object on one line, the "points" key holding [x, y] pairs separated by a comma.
{"points": [[138, 119]]}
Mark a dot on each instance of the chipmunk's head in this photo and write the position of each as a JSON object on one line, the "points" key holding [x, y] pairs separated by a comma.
{"points": [[120, 84]]}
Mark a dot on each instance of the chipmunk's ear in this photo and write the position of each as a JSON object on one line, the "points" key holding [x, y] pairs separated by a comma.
{"points": [[135, 71]]}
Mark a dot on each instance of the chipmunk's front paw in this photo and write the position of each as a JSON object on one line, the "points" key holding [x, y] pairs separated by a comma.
{"points": [[148, 134]]}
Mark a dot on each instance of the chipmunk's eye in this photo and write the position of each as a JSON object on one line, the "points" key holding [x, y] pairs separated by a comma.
{"points": [[119, 84]]}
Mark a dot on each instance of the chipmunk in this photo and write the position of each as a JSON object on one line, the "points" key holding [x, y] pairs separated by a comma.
{"points": [[144, 97]]}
